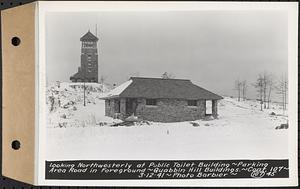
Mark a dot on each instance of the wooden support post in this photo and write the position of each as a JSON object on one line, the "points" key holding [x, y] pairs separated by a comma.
{"points": [[215, 108]]}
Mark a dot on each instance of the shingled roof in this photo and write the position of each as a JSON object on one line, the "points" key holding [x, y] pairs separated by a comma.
{"points": [[89, 37], [138, 87]]}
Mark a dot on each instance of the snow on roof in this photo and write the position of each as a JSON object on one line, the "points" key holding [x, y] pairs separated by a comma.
{"points": [[138, 87], [166, 88], [118, 90]]}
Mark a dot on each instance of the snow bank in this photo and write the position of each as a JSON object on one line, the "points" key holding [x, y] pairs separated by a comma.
{"points": [[66, 108]]}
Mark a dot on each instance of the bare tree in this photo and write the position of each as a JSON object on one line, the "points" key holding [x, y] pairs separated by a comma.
{"points": [[264, 87], [270, 83], [102, 80], [266, 82], [259, 85], [167, 75], [238, 87], [285, 93], [282, 89], [244, 89]]}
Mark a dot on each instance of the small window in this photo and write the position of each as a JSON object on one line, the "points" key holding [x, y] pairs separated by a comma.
{"points": [[192, 102], [151, 102], [89, 57]]}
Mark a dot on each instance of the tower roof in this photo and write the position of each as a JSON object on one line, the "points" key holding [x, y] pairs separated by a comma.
{"points": [[89, 37]]}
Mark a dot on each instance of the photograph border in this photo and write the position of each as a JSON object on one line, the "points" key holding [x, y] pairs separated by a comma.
{"points": [[97, 6]]}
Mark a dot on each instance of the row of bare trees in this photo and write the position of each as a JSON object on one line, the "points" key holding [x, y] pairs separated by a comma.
{"points": [[241, 87], [265, 85], [282, 90]]}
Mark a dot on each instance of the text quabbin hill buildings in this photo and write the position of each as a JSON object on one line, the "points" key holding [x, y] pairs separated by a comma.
{"points": [[206, 169]]}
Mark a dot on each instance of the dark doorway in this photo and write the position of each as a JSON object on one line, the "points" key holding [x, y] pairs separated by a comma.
{"points": [[117, 106], [131, 105]]}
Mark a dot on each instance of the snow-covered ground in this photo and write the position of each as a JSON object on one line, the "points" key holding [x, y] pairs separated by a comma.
{"points": [[75, 131]]}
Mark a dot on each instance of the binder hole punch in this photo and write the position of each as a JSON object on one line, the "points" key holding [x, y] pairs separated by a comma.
{"points": [[16, 145], [15, 41]]}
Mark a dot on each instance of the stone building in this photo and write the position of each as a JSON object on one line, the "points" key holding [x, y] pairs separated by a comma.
{"points": [[161, 100], [88, 70]]}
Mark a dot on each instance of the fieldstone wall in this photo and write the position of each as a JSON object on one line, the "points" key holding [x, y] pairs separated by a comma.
{"points": [[166, 110], [109, 108], [170, 110], [112, 107]]}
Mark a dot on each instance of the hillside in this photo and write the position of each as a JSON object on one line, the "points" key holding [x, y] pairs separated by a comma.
{"points": [[66, 108]]}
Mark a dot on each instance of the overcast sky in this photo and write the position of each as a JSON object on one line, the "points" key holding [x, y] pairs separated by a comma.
{"points": [[212, 48]]}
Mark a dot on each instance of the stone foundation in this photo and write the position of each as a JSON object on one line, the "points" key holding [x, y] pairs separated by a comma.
{"points": [[170, 110]]}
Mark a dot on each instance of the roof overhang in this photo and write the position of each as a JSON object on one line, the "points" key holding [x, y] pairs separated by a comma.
{"points": [[109, 97]]}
